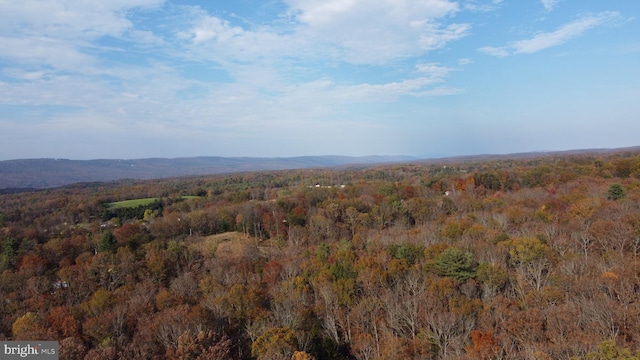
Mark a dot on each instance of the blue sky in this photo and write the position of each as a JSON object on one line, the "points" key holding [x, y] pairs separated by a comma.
{"points": [[151, 78]]}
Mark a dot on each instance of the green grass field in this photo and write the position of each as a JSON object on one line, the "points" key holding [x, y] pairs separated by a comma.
{"points": [[131, 203], [140, 202]]}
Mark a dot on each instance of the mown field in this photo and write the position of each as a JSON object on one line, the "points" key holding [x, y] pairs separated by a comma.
{"points": [[133, 203]]}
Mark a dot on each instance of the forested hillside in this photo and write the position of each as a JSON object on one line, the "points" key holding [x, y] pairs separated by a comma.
{"points": [[49, 173], [498, 259]]}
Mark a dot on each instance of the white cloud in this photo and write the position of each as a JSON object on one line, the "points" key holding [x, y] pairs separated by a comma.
{"points": [[354, 31], [211, 38], [146, 38], [434, 70], [560, 36], [549, 4], [384, 92], [567, 32], [340, 12], [71, 18], [112, 71], [61, 35], [42, 50], [439, 91], [377, 31], [482, 5], [213, 28], [494, 51]]}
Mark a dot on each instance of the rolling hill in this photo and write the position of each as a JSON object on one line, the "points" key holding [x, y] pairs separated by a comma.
{"points": [[48, 173]]}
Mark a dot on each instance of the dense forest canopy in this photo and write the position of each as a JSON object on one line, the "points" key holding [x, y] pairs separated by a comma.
{"points": [[496, 259]]}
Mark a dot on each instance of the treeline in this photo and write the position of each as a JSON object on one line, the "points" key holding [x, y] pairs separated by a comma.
{"points": [[511, 259]]}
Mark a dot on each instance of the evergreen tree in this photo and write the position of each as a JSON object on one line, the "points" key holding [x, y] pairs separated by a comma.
{"points": [[616, 191], [108, 242], [455, 263]]}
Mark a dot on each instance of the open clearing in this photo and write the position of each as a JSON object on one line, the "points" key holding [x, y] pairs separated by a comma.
{"points": [[227, 245], [131, 203], [141, 202]]}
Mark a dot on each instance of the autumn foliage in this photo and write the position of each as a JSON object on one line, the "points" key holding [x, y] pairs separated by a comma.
{"points": [[504, 258]]}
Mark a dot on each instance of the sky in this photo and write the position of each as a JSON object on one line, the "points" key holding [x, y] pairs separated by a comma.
{"points": [[128, 79]]}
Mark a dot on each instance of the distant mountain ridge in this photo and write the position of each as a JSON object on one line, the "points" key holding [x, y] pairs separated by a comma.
{"points": [[48, 173]]}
